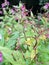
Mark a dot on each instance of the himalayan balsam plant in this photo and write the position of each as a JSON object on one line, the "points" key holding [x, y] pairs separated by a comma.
{"points": [[24, 40]]}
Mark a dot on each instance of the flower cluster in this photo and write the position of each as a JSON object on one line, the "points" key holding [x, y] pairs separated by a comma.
{"points": [[23, 38], [5, 3], [46, 6]]}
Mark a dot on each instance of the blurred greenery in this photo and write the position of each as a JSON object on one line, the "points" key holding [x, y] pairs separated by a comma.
{"points": [[24, 40]]}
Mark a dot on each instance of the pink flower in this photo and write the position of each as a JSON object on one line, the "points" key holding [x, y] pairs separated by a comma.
{"points": [[47, 4], [1, 12], [46, 7], [7, 2], [24, 14], [4, 4], [12, 11], [47, 35], [23, 8]]}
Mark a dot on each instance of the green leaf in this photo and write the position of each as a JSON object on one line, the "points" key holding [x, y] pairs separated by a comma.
{"points": [[27, 54], [42, 20], [19, 57], [12, 40], [7, 53]]}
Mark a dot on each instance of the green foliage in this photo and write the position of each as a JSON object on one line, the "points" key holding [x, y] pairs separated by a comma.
{"points": [[25, 42]]}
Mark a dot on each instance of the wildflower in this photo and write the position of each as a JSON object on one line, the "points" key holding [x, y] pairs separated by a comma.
{"points": [[4, 4], [24, 14], [46, 6], [12, 11], [47, 35], [23, 7], [7, 2], [0, 12]]}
